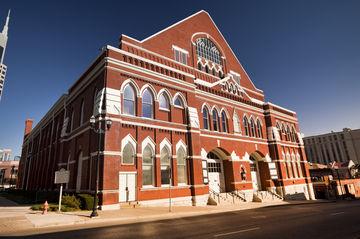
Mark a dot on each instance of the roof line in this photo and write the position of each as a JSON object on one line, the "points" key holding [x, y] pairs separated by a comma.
{"points": [[173, 25]]}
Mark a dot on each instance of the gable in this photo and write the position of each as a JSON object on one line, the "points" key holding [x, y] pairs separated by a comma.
{"points": [[182, 33]]}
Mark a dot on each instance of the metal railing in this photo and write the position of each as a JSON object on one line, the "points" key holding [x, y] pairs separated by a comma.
{"points": [[226, 196], [239, 194]]}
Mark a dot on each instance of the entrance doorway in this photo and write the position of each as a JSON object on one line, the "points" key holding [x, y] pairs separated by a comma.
{"points": [[127, 187], [255, 175], [215, 172]]}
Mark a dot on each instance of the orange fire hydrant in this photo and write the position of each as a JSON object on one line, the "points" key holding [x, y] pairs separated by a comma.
{"points": [[45, 207]]}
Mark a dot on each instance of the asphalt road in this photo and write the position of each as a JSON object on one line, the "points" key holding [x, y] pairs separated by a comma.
{"points": [[322, 220]]}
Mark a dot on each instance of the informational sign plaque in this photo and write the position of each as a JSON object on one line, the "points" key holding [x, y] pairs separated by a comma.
{"points": [[62, 176]]}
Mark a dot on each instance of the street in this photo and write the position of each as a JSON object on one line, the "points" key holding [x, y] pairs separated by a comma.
{"points": [[322, 220]]}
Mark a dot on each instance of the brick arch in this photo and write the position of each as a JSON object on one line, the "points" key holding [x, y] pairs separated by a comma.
{"points": [[220, 152], [263, 172]]}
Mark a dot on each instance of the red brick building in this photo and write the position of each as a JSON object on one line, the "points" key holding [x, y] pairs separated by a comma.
{"points": [[181, 104]]}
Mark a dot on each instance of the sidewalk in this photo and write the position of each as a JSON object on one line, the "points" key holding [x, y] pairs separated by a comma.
{"points": [[31, 222]]}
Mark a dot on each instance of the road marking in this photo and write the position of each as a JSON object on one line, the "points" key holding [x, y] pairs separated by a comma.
{"points": [[230, 233], [336, 213], [260, 216]]}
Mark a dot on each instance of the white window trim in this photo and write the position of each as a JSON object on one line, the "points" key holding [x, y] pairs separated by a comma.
{"points": [[128, 139], [180, 49]]}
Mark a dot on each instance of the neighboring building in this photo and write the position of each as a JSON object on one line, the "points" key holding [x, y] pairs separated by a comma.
{"points": [[181, 105], [336, 180], [8, 173], [334, 147], [3, 41], [5, 154]]}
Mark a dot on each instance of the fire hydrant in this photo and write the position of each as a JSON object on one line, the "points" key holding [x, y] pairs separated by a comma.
{"points": [[45, 207]]}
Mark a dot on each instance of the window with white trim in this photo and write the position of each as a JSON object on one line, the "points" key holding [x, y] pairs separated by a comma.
{"points": [[165, 162], [181, 165], [207, 49], [148, 166], [128, 154], [179, 102], [129, 100], [147, 104], [180, 55], [164, 102], [224, 122], [206, 118]]}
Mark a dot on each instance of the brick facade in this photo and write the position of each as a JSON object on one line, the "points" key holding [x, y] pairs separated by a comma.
{"points": [[205, 105]]}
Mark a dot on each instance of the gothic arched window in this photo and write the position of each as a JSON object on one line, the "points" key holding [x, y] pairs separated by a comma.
{"points": [[215, 119], [147, 104], [252, 127], [148, 166], [206, 118], [181, 165], [224, 123], [128, 154], [164, 101], [165, 162], [129, 100], [207, 49], [179, 102], [246, 126]]}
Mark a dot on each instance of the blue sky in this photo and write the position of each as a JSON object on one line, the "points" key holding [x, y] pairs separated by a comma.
{"points": [[305, 55]]}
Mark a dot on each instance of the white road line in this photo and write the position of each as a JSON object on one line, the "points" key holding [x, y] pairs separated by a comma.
{"points": [[260, 216], [336, 213], [230, 233]]}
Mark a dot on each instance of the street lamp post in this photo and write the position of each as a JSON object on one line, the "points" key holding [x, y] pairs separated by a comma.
{"points": [[99, 131]]}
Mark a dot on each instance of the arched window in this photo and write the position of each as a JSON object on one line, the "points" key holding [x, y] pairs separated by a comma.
{"points": [[164, 102], [165, 162], [128, 154], [288, 159], [82, 112], [179, 102], [259, 129], [288, 134], [283, 132], [224, 123], [147, 104], [293, 133], [236, 123], [279, 129], [215, 118], [181, 165], [294, 165], [199, 66], [207, 49], [148, 166], [206, 118], [246, 126], [129, 100], [252, 127]]}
